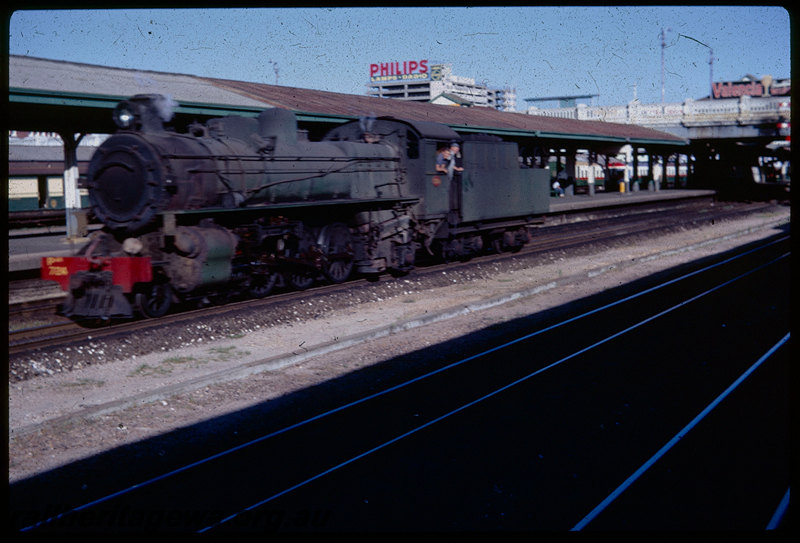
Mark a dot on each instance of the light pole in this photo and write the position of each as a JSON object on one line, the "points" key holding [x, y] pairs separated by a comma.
{"points": [[663, 46], [710, 71]]}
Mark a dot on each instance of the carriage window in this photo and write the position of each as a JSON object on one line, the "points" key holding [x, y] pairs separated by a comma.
{"points": [[412, 144]]}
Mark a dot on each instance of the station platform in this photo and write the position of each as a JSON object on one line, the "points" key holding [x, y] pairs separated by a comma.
{"points": [[26, 250], [26, 247], [582, 202]]}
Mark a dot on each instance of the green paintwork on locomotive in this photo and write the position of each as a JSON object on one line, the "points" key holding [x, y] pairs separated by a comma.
{"points": [[494, 186], [278, 167]]}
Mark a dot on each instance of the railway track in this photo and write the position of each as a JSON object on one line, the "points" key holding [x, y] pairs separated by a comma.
{"points": [[47, 329], [397, 424]]}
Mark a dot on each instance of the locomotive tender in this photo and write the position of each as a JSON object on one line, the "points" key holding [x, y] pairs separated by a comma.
{"points": [[239, 205]]}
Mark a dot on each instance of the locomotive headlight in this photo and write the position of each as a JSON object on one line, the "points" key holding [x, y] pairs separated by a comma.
{"points": [[123, 115], [132, 246]]}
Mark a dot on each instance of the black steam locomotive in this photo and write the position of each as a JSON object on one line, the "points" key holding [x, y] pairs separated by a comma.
{"points": [[240, 205]]}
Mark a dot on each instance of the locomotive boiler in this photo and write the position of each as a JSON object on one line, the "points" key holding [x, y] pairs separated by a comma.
{"points": [[239, 205]]}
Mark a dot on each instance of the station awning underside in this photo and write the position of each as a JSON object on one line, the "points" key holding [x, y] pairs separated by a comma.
{"points": [[57, 104]]}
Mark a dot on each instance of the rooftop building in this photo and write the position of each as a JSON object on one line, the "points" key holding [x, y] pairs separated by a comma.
{"points": [[417, 81]]}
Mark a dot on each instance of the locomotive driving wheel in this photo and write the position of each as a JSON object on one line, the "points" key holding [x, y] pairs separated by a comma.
{"points": [[263, 284], [300, 279], [338, 271], [336, 244], [154, 300]]}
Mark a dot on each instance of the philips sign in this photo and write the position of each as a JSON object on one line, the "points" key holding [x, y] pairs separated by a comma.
{"points": [[393, 71]]}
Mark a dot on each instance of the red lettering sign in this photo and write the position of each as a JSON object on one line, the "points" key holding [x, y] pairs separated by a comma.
{"points": [[734, 90], [397, 70]]}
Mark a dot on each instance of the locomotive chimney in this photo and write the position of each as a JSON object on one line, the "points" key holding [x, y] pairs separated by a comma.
{"points": [[144, 112]]}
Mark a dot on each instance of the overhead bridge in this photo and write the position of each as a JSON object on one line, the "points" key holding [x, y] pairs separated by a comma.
{"points": [[745, 118]]}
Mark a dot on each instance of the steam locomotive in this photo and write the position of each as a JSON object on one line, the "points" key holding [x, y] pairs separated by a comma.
{"points": [[240, 205]]}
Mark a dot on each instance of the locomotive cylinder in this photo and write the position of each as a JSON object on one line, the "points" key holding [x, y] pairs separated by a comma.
{"points": [[202, 257]]}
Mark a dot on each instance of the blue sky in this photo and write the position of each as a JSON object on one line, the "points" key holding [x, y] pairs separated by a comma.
{"points": [[539, 51]]}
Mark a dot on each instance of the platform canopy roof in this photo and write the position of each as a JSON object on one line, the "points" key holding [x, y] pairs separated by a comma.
{"points": [[67, 97]]}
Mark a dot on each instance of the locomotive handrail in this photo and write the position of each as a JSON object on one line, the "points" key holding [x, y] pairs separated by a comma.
{"points": [[287, 171], [375, 202], [258, 158], [315, 174], [256, 190]]}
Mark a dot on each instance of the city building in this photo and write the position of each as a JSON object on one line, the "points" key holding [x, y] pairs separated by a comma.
{"points": [[420, 81]]}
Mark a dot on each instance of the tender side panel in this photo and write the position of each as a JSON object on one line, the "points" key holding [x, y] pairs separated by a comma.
{"points": [[493, 186]]}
